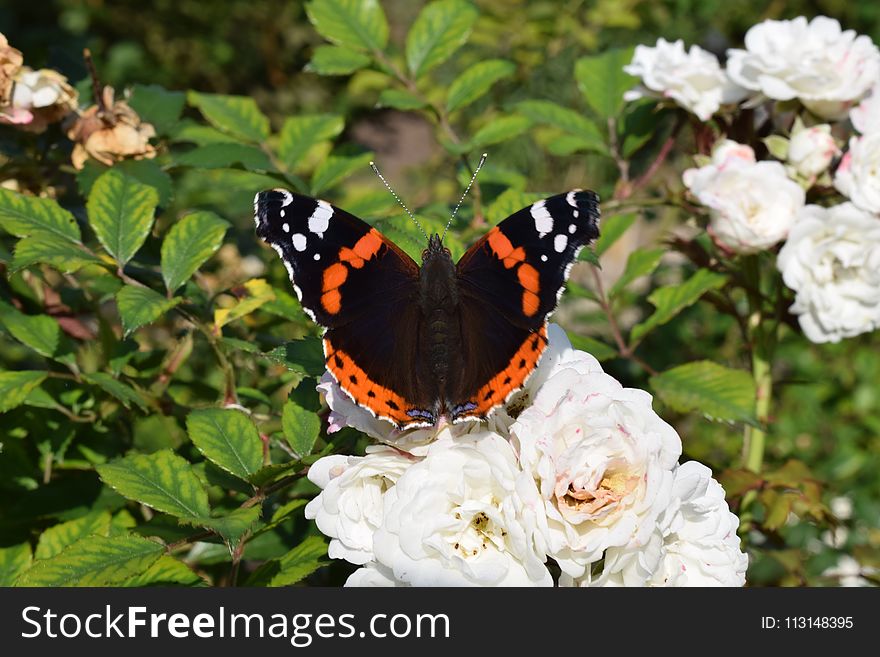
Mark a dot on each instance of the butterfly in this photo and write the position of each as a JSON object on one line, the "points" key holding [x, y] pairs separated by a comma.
{"points": [[413, 344]]}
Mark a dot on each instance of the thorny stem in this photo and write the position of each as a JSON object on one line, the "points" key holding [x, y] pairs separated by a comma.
{"points": [[97, 88]]}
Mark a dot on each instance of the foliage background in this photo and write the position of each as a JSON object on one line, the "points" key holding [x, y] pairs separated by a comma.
{"points": [[824, 439]]}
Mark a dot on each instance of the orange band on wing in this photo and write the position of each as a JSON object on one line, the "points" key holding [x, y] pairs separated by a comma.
{"points": [[364, 249], [332, 301], [334, 276]]}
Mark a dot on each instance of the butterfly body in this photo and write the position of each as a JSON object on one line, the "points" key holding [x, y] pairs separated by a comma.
{"points": [[413, 344]]}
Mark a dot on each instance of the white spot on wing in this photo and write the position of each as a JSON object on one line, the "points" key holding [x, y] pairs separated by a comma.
{"points": [[572, 229], [570, 198], [543, 220], [575, 213], [288, 197], [543, 257], [320, 219], [285, 227], [282, 213], [560, 242], [299, 241], [317, 256]]}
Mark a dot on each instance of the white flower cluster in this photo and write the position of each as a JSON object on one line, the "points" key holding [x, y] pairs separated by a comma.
{"points": [[586, 475], [831, 255]]}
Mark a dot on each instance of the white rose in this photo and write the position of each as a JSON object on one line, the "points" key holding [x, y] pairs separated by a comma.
{"points": [[858, 174], [693, 79], [35, 89], [827, 69], [466, 515], [350, 506], [603, 461], [372, 575], [866, 116], [753, 204], [811, 150], [832, 261]]}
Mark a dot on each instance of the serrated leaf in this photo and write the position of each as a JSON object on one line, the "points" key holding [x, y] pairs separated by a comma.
{"points": [[283, 513], [56, 538], [197, 133], [640, 262], [228, 438], [718, 392], [301, 428], [221, 156], [500, 129], [121, 212], [297, 564], [358, 24], [300, 133], [39, 332], [233, 525], [14, 560], [25, 215], [476, 81], [61, 253], [337, 60], [189, 243], [139, 306], [440, 29], [565, 119], [599, 350], [124, 393], [305, 356], [672, 299], [509, 202], [738, 482], [157, 105], [162, 480], [336, 168], [237, 115], [94, 561], [16, 386], [603, 82], [613, 227], [257, 292], [399, 99], [39, 398], [165, 571], [270, 473], [149, 172]]}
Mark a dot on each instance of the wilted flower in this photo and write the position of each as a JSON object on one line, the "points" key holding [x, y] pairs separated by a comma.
{"points": [[40, 98], [811, 150], [110, 132], [832, 261], [829, 70], [858, 175], [693, 79], [10, 63]]}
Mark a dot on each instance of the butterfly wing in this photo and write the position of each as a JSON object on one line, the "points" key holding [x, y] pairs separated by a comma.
{"points": [[362, 288], [509, 282]]}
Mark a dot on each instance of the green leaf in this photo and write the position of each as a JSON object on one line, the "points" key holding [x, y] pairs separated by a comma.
{"points": [[221, 156], [238, 116], [270, 473], [567, 120], [43, 248], [300, 133], [778, 146], [672, 299], [233, 525], [301, 428], [256, 293], [612, 228], [121, 212], [718, 392], [141, 305], [124, 393], [14, 560], [305, 356], [228, 438], [336, 168], [162, 480], [500, 129], [189, 243], [157, 105], [283, 514], [149, 172], [56, 538], [440, 29], [510, 201], [165, 571], [336, 60], [358, 24], [198, 133], [599, 350], [94, 561], [25, 215], [399, 99], [297, 564], [476, 81], [39, 332], [640, 262], [603, 82], [16, 386]]}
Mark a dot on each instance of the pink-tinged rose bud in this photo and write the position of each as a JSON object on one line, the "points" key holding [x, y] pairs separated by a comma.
{"points": [[811, 150]]}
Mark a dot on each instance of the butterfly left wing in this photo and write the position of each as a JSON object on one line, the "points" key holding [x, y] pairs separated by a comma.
{"points": [[509, 282]]}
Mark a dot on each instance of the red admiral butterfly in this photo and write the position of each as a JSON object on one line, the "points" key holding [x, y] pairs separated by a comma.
{"points": [[412, 344]]}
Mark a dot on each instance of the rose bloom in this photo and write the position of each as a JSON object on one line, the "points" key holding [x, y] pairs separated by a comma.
{"points": [[826, 68], [693, 79], [349, 508], [372, 575], [811, 150], [832, 262], [603, 461], [866, 116], [858, 175], [39, 98], [753, 204], [694, 544], [10, 63], [465, 515]]}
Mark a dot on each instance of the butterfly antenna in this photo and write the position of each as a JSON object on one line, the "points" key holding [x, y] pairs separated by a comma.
{"points": [[470, 184], [397, 198]]}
